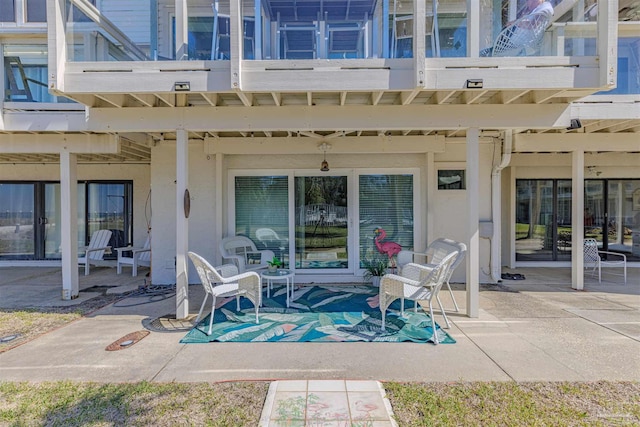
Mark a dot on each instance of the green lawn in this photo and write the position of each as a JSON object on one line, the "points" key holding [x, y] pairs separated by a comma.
{"points": [[516, 404], [240, 404]]}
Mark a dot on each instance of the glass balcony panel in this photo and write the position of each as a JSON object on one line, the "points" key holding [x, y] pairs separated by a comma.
{"points": [[401, 23], [25, 74], [538, 28], [209, 31], [446, 29], [315, 29], [628, 68], [117, 31]]}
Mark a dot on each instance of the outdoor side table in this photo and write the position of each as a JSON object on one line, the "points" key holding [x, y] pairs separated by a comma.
{"points": [[279, 275]]}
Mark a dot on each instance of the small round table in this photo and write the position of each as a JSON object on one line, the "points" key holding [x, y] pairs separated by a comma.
{"points": [[280, 274]]}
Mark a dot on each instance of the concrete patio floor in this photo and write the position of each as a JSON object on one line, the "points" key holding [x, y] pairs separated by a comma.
{"points": [[537, 329]]}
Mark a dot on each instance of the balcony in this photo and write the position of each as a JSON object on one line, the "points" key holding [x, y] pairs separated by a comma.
{"points": [[325, 52]]}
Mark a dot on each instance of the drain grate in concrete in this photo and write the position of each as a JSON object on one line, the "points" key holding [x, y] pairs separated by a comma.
{"points": [[127, 340]]}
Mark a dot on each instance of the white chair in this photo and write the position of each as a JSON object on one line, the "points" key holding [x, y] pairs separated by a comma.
{"points": [[523, 37], [139, 257], [593, 259], [94, 253], [243, 253], [435, 253], [223, 282], [418, 283]]}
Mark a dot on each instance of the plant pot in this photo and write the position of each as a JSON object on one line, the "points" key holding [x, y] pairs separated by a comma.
{"points": [[272, 268], [375, 281]]}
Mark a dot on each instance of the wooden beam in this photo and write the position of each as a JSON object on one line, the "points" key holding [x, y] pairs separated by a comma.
{"points": [[55, 144], [327, 118], [341, 145], [615, 142]]}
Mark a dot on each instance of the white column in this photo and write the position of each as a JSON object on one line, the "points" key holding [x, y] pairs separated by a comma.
{"points": [[236, 41], [57, 56], [432, 186], [577, 219], [473, 28], [69, 224], [218, 197], [182, 30], [182, 224], [512, 217], [473, 251]]}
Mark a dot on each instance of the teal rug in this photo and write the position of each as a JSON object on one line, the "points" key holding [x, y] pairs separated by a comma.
{"points": [[317, 314]]}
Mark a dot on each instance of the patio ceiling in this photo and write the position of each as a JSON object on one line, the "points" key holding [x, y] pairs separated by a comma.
{"points": [[136, 148]]}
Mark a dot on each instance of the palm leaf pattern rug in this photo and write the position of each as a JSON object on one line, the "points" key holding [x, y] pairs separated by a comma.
{"points": [[317, 314]]}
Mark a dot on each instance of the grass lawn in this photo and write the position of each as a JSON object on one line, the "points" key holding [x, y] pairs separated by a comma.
{"points": [[240, 404], [516, 404], [138, 404]]}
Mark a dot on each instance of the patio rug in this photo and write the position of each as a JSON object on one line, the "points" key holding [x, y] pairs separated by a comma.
{"points": [[317, 314]]}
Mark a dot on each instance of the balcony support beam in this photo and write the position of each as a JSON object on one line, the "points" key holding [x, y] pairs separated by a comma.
{"points": [[326, 118]]}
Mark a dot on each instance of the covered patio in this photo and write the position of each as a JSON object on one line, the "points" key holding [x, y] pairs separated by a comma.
{"points": [[535, 329]]}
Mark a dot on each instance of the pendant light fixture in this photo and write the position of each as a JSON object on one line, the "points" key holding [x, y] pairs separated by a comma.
{"points": [[324, 166]]}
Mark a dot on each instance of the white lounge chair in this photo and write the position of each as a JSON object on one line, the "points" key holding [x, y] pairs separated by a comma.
{"points": [[243, 253], [418, 283], [94, 253], [593, 258], [139, 257], [224, 281]]}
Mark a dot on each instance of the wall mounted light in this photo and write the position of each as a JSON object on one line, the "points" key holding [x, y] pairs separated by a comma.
{"points": [[182, 86], [474, 84], [324, 166]]}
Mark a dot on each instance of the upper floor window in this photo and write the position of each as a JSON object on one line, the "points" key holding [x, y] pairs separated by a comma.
{"points": [[7, 11], [23, 11], [36, 11]]}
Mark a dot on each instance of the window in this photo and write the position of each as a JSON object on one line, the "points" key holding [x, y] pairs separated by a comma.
{"points": [[7, 11], [386, 203], [36, 11], [452, 179]]}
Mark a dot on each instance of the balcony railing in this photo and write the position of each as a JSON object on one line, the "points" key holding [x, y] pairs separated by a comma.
{"points": [[315, 29]]}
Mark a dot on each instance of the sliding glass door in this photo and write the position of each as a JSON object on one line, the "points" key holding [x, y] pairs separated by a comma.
{"points": [[544, 223], [31, 217], [329, 223]]}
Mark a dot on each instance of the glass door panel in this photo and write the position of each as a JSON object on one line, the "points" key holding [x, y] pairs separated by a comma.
{"points": [[563, 221], [534, 220], [594, 210], [623, 225], [322, 226], [108, 207], [262, 212], [17, 219], [51, 221]]}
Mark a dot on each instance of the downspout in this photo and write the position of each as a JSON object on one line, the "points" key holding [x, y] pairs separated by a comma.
{"points": [[496, 207]]}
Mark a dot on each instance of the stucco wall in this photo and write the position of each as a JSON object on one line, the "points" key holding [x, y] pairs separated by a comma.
{"points": [[201, 220], [450, 218]]}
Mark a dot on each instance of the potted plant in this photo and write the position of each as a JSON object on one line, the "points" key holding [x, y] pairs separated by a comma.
{"points": [[374, 269], [274, 264]]}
